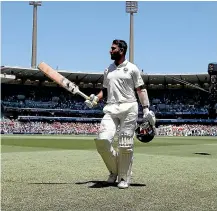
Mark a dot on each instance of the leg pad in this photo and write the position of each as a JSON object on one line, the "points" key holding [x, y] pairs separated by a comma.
{"points": [[108, 154]]}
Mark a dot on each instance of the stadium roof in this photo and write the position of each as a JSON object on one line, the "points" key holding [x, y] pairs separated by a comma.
{"points": [[86, 77], [6, 78]]}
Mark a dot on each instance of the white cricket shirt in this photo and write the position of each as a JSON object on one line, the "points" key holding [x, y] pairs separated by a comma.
{"points": [[121, 82]]}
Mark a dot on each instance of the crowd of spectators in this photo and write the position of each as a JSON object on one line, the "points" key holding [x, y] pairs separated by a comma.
{"points": [[13, 127], [17, 127], [187, 130], [160, 100]]}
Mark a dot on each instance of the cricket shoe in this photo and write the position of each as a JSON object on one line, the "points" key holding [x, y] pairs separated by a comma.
{"points": [[112, 178], [123, 184]]}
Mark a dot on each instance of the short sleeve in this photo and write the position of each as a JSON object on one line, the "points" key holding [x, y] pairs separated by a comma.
{"points": [[137, 78], [105, 80]]}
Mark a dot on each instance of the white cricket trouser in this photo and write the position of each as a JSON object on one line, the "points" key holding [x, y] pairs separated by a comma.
{"points": [[124, 116]]}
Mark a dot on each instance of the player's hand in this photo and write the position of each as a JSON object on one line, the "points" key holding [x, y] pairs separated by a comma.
{"points": [[149, 116], [92, 102], [88, 103], [94, 98]]}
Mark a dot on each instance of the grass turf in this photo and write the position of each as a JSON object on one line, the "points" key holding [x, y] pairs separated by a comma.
{"points": [[66, 173]]}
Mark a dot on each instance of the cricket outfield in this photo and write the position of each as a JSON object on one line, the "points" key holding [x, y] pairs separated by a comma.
{"points": [[54, 173]]}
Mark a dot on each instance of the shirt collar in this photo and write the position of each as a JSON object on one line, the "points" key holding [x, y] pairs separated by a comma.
{"points": [[122, 64]]}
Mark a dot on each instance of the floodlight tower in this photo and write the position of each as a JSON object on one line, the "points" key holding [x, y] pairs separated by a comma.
{"points": [[35, 4], [131, 7]]}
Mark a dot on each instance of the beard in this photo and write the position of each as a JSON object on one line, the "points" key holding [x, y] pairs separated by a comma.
{"points": [[115, 56]]}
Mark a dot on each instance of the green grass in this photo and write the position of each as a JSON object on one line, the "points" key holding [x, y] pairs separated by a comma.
{"points": [[66, 173]]}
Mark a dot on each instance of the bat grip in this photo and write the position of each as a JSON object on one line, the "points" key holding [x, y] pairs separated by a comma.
{"points": [[83, 95], [86, 97]]}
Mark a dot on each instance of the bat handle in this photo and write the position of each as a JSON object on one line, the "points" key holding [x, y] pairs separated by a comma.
{"points": [[83, 95]]}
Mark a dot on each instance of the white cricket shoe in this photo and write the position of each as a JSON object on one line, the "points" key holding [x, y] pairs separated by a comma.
{"points": [[123, 184], [112, 178]]}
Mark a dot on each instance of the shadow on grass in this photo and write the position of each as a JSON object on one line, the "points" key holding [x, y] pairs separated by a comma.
{"points": [[49, 183], [201, 153], [104, 184]]}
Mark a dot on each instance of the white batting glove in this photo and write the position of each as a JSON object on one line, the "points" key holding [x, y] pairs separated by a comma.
{"points": [[92, 101], [88, 103], [149, 115], [94, 98]]}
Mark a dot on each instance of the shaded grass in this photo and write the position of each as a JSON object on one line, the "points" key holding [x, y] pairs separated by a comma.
{"points": [[87, 142]]}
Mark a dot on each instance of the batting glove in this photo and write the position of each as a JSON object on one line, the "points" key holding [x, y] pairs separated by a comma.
{"points": [[94, 98], [149, 116], [92, 102]]}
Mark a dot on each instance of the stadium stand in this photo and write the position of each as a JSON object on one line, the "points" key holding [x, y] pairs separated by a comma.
{"points": [[31, 103]]}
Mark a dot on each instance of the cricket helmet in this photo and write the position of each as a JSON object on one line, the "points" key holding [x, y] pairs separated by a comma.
{"points": [[145, 132]]}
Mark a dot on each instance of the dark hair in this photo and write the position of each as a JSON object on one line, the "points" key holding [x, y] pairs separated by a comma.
{"points": [[121, 44]]}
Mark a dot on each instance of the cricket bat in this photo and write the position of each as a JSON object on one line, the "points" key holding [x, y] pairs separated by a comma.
{"points": [[61, 80]]}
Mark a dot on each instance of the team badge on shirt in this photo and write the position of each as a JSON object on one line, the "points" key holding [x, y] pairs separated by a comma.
{"points": [[125, 69]]}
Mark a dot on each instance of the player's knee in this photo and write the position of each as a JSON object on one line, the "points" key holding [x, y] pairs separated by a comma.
{"points": [[106, 135], [102, 145]]}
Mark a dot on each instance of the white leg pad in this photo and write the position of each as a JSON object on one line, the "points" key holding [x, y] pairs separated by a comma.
{"points": [[108, 154], [125, 158]]}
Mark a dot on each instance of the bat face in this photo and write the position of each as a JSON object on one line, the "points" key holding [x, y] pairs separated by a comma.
{"points": [[59, 79], [70, 86], [51, 73]]}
